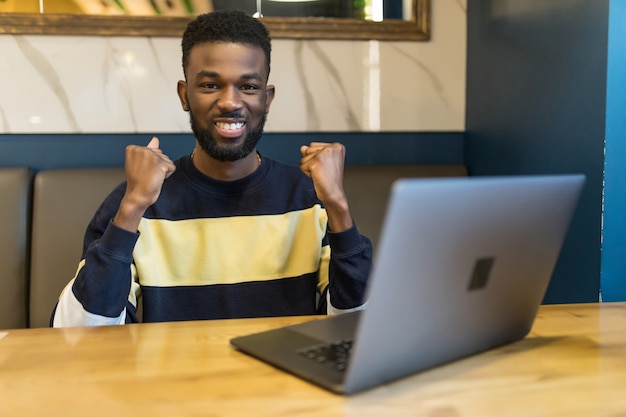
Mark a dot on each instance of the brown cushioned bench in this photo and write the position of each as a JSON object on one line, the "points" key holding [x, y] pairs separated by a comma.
{"points": [[15, 190], [64, 201], [367, 189]]}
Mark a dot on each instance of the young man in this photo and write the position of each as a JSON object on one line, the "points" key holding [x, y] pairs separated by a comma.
{"points": [[224, 232]]}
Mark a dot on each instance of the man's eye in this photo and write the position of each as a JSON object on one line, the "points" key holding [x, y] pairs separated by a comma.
{"points": [[249, 87], [210, 86]]}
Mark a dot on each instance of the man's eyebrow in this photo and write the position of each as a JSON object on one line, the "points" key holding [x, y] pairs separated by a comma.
{"points": [[212, 74], [251, 76], [207, 74]]}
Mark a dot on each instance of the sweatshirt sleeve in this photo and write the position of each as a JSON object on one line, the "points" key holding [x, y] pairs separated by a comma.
{"points": [[348, 270], [103, 290]]}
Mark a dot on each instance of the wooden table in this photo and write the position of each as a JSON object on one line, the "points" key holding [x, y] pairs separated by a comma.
{"points": [[572, 364]]}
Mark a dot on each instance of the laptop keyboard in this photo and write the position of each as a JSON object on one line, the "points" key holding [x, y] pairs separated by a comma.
{"points": [[334, 355]]}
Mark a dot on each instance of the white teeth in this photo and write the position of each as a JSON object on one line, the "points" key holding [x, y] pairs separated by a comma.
{"points": [[229, 126]]}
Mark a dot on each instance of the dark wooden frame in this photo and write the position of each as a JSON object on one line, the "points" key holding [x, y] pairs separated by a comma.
{"points": [[417, 29]]}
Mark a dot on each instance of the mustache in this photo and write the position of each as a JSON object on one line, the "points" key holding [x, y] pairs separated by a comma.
{"points": [[237, 114]]}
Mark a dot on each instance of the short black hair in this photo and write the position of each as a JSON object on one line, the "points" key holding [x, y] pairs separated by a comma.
{"points": [[231, 26]]}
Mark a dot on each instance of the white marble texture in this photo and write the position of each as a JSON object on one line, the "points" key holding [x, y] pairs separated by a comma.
{"points": [[68, 84]]}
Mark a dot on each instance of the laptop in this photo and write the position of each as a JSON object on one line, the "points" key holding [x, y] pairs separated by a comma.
{"points": [[462, 267]]}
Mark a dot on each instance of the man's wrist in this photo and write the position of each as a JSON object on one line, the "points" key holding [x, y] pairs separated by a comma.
{"points": [[129, 215], [339, 217]]}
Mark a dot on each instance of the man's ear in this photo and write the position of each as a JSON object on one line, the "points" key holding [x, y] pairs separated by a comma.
{"points": [[182, 94], [270, 92]]}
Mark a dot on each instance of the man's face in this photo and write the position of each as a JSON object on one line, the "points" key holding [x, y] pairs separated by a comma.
{"points": [[227, 96]]}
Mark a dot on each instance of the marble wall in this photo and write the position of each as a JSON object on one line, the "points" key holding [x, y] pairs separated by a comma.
{"points": [[67, 84]]}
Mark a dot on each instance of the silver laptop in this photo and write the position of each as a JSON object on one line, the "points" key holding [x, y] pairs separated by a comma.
{"points": [[462, 267]]}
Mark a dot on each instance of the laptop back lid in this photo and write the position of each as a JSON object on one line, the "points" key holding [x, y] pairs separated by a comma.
{"points": [[462, 266]]}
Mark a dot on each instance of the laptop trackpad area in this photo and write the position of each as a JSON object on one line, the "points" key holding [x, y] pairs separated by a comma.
{"points": [[330, 329]]}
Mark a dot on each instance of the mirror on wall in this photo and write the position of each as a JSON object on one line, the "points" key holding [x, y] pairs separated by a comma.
{"points": [[293, 19]]}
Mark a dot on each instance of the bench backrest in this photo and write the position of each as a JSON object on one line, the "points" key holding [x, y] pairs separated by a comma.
{"points": [[15, 186], [51, 229], [367, 189], [64, 202]]}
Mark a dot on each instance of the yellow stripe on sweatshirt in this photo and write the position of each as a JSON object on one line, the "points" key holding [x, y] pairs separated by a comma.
{"points": [[229, 250]]}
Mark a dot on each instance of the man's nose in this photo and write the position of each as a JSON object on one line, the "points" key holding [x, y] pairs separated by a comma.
{"points": [[230, 99]]}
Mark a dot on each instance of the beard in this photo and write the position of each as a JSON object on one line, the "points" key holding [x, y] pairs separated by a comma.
{"points": [[227, 153]]}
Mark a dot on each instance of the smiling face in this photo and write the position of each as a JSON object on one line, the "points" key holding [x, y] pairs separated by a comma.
{"points": [[227, 97]]}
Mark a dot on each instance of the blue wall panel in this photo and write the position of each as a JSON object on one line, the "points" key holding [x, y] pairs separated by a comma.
{"points": [[100, 150], [536, 98], [613, 280]]}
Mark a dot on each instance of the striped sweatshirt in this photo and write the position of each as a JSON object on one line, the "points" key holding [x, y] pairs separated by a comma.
{"points": [[209, 249]]}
